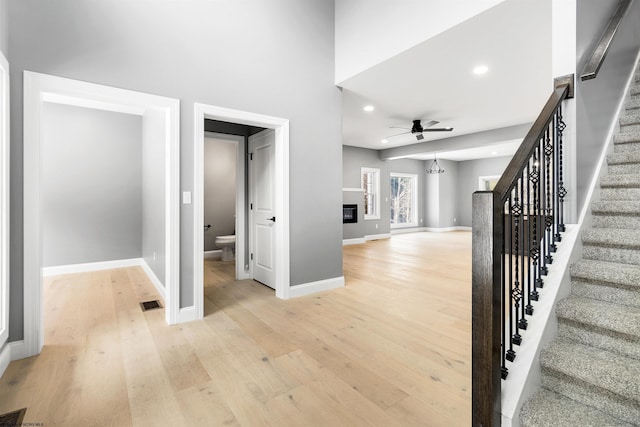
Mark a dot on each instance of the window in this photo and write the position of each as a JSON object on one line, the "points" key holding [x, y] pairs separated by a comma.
{"points": [[404, 200], [371, 187]]}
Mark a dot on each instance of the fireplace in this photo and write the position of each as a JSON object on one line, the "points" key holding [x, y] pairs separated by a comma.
{"points": [[349, 214]]}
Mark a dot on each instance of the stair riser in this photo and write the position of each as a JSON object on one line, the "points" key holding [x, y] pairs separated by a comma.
{"points": [[620, 194], [633, 103], [626, 148], [599, 338], [587, 394], [624, 256], [616, 221], [630, 118], [624, 168], [627, 137], [606, 292]]}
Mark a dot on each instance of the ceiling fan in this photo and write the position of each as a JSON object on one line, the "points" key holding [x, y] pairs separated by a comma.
{"points": [[417, 129]]}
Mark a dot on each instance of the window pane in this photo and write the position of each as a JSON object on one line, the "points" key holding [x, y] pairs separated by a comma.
{"points": [[403, 200]]}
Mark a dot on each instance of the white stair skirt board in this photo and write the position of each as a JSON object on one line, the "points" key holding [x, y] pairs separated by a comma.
{"points": [[313, 287], [5, 358], [520, 384], [356, 241], [378, 236], [213, 254]]}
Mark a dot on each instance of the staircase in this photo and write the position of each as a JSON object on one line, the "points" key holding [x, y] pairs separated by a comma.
{"points": [[591, 371]]}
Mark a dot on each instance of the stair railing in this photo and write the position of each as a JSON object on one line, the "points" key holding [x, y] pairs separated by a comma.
{"points": [[600, 52], [515, 230]]}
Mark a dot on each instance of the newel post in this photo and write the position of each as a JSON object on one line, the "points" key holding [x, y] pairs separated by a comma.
{"points": [[486, 302]]}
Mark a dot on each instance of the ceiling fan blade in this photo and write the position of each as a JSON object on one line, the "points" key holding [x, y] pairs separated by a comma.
{"points": [[399, 127], [398, 134], [437, 130], [430, 123]]}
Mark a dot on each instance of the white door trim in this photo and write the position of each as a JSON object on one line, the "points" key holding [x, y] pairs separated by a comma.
{"points": [[281, 127], [4, 206], [42, 87]]}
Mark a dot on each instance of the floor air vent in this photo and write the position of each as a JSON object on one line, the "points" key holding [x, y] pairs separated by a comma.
{"points": [[13, 418], [150, 305]]}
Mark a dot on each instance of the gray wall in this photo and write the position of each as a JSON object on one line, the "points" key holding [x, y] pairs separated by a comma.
{"points": [[597, 100], [440, 195], [355, 158], [468, 173], [219, 187], [91, 185], [4, 27], [238, 55], [153, 193]]}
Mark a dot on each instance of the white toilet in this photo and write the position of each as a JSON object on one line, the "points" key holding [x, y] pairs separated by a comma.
{"points": [[228, 245]]}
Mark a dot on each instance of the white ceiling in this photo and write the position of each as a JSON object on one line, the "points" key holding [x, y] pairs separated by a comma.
{"points": [[434, 81]]}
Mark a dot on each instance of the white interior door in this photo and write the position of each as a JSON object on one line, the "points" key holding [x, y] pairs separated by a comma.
{"points": [[263, 213]]}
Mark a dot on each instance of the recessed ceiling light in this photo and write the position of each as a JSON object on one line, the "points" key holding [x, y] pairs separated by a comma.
{"points": [[494, 153], [368, 108], [384, 141], [480, 69]]}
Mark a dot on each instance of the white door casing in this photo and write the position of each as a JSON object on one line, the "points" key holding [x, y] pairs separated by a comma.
{"points": [[263, 212], [4, 202], [39, 88]]}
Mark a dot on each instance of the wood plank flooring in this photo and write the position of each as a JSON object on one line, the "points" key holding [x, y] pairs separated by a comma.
{"points": [[392, 348]]}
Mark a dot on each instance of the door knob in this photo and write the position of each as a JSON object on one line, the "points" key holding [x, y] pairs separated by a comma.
{"points": [[273, 218]]}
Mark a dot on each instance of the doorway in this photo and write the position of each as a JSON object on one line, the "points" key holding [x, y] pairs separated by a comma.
{"points": [[160, 119], [279, 128]]}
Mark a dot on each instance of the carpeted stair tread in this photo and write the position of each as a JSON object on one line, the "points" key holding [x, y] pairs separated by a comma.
{"points": [[635, 90], [632, 103], [627, 138], [610, 237], [606, 272], [629, 118], [547, 408], [620, 180], [605, 370], [623, 158], [616, 207], [616, 318]]}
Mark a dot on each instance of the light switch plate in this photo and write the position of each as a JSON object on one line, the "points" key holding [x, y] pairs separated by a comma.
{"points": [[186, 197]]}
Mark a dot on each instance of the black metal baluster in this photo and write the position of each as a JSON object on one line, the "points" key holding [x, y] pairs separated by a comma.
{"points": [[534, 177], [527, 180], [522, 323], [562, 191], [516, 293], [548, 155]]}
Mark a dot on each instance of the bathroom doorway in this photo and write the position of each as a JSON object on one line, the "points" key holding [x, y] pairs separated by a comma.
{"points": [[248, 236]]}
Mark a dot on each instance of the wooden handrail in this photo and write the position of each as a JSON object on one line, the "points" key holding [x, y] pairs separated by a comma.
{"points": [[597, 58], [523, 154]]}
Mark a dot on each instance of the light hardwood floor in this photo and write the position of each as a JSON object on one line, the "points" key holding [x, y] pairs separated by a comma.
{"points": [[392, 348]]}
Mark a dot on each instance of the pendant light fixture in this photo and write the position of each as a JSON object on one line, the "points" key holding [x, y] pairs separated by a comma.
{"points": [[435, 166]]}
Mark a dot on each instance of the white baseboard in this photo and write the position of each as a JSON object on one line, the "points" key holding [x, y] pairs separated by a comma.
{"points": [[356, 241], [90, 266], [187, 314], [5, 358], [445, 229], [18, 350], [313, 287], [378, 236], [154, 279], [408, 230], [213, 254]]}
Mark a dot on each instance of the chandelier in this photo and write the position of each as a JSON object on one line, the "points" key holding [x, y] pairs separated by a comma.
{"points": [[435, 166]]}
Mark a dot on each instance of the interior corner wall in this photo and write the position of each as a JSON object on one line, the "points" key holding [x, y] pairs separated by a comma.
{"points": [[468, 173], [4, 27], [597, 100], [91, 185], [449, 188], [219, 187], [213, 60], [154, 178]]}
